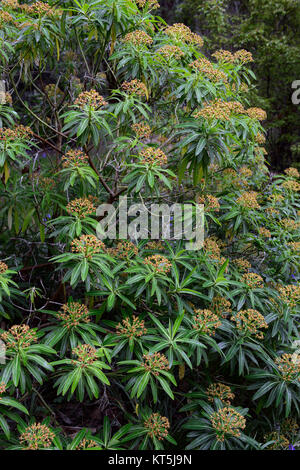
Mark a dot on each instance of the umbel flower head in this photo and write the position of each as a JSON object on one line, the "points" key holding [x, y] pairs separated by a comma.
{"points": [[281, 442], [220, 391], [135, 87], [159, 263], [141, 129], [153, 156], [91, 99], [206, 322], [169, 52], [124, 249], [131, 328], [211, 203], [182, 33], [220, 110], [3, 267], [289, 224], [289, 367], [138, 38], [264, 232], [19, 336], [206, 68], [253, 280], [155, 362], [86, 355], [248, 200], [2, 388], [291, 185], [221, 306], [37, 436], [18, 132], [157, 426], [292, 172], [74, 158], [290, 294], [151, 4], [87, 245], [87, 444], [257, 113], [250, 322], [227, 422], [81, 207], [242, 264], [227, 57], [73, 314]]}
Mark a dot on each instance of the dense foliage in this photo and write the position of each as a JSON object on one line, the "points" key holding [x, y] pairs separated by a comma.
{"points": [[270, 30], [140, 344]]}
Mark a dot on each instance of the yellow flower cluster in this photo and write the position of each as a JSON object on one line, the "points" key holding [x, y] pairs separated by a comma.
{"points": [[281, 442], [294, 246], [154, 361], [86, 355], [242, 264], [135, 87], [291, 185], [73, 314], [250, 321], [138, 38], [288, 367], [228, 57], [290, 294], [91, 99], [19, 336], [169, 52], [18, 132], [245, 172], [248, 200], [260, 138], [155, 245], [257, 113], [13, 4], [153, 156], [206, 322], [157, 426], [264, 232], [2, 388], [142, 130], [292, 172], [205, 67], [227, 421], [74, 158], [123, 250], [220, 391], [253, 281], [159, 263], [87, 444], [131, 329], [3, 267], [181, 32], [211, 203], [219, 109], [87, 245], [81, 207], [221, 306], [151, 4], [290, 224], [37, 436], [40, 8]]}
